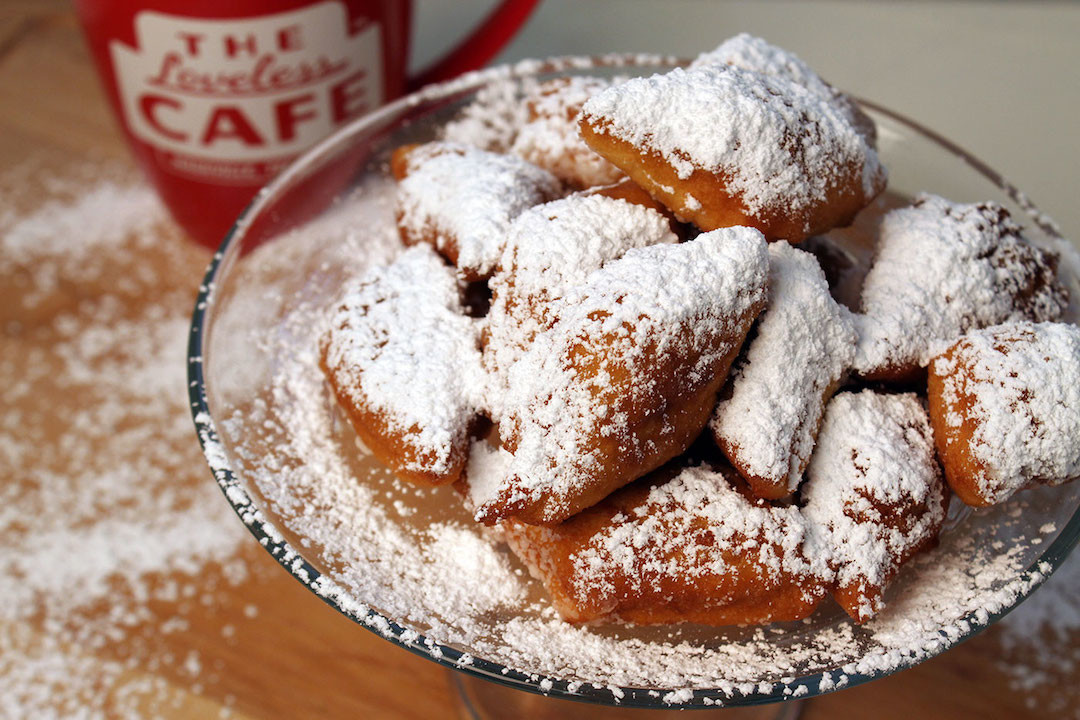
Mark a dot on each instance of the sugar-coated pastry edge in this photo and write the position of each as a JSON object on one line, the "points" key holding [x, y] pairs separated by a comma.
{"points": [[874, 494], [941, 269], [1005, 405], [628, 375], [403, 362], [461, 200], [802, 347]]}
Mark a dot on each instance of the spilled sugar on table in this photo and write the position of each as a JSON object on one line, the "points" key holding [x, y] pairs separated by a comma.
{"points": [[169, 627]]}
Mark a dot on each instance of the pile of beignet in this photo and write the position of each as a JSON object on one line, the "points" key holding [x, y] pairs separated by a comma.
{"points": [[604, 333]]}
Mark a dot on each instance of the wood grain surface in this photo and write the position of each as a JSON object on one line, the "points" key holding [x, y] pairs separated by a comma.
{"points": [[266, 647]]}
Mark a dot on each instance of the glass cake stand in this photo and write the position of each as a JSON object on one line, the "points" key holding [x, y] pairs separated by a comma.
{"points": [[411, 566]]}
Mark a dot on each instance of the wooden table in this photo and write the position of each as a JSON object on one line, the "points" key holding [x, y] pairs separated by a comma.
{"points": [[292, 656]]}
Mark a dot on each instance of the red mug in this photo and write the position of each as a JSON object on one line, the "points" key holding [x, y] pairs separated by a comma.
{"points": [[216, 97]]}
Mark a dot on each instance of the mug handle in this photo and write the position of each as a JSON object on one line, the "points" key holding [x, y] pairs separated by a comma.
{"points": [[483, 44]]}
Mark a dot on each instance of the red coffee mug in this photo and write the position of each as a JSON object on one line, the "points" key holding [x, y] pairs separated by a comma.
{"points": [[216, 96]]}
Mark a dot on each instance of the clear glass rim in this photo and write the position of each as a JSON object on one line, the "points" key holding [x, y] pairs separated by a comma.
{"points": [[300, 568]]}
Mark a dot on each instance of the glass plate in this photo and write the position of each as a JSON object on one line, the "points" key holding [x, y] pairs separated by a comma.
{"points": [[409, 563]]}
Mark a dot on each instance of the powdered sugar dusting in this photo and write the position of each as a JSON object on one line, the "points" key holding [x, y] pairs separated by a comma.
{"points": [[485, 472], [644, 309], [551, 248], [318, 485], [494, 117], [660, 540], [874, 491], [944, 268], [803, 346], [376, 562], [551, 139], [106, 518], [423, 382], [1017, 386], [557, 245], [753, 53], [775, 141], [1039, 650], [466, 198]]}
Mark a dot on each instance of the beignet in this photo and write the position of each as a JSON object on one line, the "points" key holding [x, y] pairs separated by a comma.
{"points": [[874, 493], [403, 360], [460, 200], [627, 375], [1005, 406], [552, 248], [801, 348], [681, 545], [722, 146], [550, 139], [942, 269]]}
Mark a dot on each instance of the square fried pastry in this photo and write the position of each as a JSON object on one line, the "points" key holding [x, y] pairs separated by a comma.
{"points": [[461, 199], [722, 146], [550, 139], [801, 347], [683, 544], [552, 248], [944, 268], [874, 494], [403, 359], [1005, 407], [627, 375]]}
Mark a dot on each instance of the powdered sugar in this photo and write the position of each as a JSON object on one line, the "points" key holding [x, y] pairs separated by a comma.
{"points": [[299, 459], [106, 515], [1039, 651], [485, 473], [804, 344], [681, 545], [775, 142], [659, 540], [551, 248], [465, 198], [551, 140], [874, 491], [645, 310], [753, 53], [556, 246], [1016, 389], [944, 268], [422, 382], [332, 496], [494, 117]]}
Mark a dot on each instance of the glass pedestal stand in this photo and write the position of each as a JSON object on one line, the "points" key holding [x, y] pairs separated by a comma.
{"points": [[479, 699]]}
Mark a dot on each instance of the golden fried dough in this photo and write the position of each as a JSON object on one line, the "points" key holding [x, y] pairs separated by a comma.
{"points": [[722, 146], [944, 268], [461, 200], [1005, 407], [874, 493], [400, 356], [550, 138], [627, 375], [680, 545], [803, 344]]}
